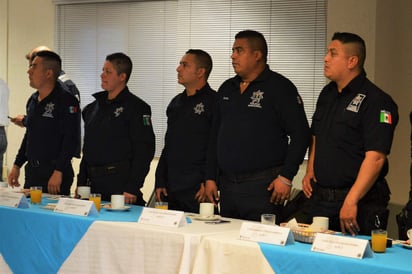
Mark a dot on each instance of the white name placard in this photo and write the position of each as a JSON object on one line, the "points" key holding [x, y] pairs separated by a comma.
{"points": [[161, 217], [342, 246], [13, 199], [265, 233], [76, 207]]}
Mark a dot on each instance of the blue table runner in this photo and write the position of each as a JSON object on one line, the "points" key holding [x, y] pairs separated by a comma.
{"points": [[298, 258], [36, 240]]}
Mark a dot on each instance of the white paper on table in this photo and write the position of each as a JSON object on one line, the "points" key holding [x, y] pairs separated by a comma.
{"points": [[341, 246]]}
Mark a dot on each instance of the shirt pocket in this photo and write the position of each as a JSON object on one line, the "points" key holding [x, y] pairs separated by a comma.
{"points": [[349, 128]]}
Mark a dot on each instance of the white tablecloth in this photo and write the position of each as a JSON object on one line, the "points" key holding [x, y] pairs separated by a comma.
{"points": [[224, 253], [113, 247]]}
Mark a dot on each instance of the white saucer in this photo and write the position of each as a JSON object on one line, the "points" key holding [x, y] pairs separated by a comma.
{"points": [[208, 218], [109, 208]]}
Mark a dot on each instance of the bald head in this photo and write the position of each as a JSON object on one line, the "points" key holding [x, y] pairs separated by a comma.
{"points": [[32, 53]]}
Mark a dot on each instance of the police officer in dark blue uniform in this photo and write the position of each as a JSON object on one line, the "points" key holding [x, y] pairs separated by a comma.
{"points": [[261, 134], [52, 129], [119, 142], [64, 81], [180, 174], [352, 129]]}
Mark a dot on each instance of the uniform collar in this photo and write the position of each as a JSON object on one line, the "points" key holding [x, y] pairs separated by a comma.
{"points": [[356, 84], [199, 91], [102, 95], [35, 96], [263, 75]]}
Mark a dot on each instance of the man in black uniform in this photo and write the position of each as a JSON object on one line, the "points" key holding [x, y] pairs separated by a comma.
{"points": [[119, 142], [64, 81], [52, 127], [180, 174], [261, 134], [352, 129]]}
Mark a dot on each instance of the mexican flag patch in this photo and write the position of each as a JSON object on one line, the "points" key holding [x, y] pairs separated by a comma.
{"points": [[385, 117], [73, 109], [147, 121]]}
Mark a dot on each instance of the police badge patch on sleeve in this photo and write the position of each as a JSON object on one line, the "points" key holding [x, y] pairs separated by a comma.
{"points": [[147, 121]]}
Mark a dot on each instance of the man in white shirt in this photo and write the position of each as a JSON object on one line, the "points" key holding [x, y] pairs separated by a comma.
{"points": [[4, 112]]}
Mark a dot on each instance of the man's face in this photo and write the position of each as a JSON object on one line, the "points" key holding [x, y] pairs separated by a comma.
{"points": [[111, 81], [244, 59], [38, 74], [336, 61], [187, 71]]}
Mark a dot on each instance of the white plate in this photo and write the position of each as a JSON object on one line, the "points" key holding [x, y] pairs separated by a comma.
{"points": [[109, 207], [208, 218]]}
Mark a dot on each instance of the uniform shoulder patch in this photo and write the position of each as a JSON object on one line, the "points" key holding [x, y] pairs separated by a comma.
{"points": [[147, 120], [385, 117]]}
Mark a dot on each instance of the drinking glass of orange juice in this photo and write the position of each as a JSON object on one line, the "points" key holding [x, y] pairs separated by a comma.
{"points": [[379, 237], [161, 205], [97, 199], [35, 194]]}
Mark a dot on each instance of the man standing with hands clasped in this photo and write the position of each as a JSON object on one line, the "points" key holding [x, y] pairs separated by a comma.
{"points": [[261, 135], [180, 174], [352, 129]]}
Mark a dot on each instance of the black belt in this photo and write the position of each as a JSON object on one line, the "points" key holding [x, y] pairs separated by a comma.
{"points": [[330, 194], [339, 194], [38, 163], [106, 169], [274, 171]]}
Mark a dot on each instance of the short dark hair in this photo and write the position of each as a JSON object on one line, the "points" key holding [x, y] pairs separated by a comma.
{"points": [[51, 60], [203, 60], [357, 41], [121, 63], [256, 41]]}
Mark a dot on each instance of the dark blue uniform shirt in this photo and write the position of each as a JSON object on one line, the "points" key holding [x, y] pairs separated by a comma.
{"points": [[262, 128], [182, 164], [118, 131], [348, 124], [52, 129]]}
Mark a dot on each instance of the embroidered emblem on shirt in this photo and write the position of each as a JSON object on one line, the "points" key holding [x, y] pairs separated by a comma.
{"points": [[118, 111], [48, 109], [147, 121], [225, 98], [256, 97], [356, 102], [73, 109], [199, 108], [385, 117]]}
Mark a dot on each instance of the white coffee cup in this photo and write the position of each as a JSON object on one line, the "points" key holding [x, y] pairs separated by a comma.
{"points": [[206, 209], [84, 192], [117, 201], [321, 223]]}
